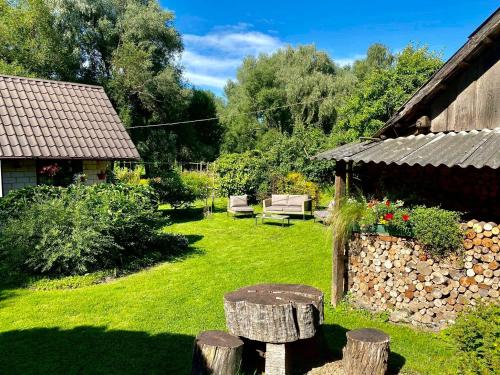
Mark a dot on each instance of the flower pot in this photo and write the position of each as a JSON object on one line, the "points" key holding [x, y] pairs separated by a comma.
{"points": [[381, 229], [101, 176]]}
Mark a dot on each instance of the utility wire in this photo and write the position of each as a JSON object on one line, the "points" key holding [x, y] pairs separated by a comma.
{"points": [[218, 118]]}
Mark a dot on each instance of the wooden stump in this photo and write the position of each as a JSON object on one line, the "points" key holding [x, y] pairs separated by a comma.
{"points": [[277, 361], [274, 313], [217, 353], [366, 352]]}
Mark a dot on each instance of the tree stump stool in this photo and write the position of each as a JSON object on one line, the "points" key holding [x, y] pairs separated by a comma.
{"points": [[217, 353], [275, 314], [366, 352]]}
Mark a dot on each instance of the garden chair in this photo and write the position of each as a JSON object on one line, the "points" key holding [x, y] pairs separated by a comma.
{"points": [[238, 205], [323, 215]]}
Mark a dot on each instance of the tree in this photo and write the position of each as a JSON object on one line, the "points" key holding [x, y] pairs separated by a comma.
{"points": [[128, 46], [382, 92], [302, 85]]}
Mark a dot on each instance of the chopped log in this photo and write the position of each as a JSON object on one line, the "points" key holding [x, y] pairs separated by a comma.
{"points": [[366, 352], [218, 353], [495, 231], [470, 234], [478, 227], [471, 223], [488, 226], [274, 313], [487, 242]]}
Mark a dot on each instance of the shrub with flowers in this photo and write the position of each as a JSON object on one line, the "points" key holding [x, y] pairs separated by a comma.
{"points": [[438, 229]]}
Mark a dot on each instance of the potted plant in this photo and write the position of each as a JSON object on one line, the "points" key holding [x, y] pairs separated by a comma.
{"points": [[101, 175]]}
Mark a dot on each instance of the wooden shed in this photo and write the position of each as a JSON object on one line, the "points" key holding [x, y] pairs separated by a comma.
{"points": [[442, 147]]}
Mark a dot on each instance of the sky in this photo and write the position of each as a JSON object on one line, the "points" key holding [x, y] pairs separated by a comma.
{"points": [[217, 35]]}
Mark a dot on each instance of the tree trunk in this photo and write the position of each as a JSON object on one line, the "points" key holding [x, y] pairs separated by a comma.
{"points": [[217, 353], [338, 246], [366, 352]]}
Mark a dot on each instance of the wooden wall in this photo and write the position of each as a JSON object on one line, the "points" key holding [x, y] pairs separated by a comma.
{"points": [[472, 99]]}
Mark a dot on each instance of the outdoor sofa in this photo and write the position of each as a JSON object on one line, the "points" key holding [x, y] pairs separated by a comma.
{"points": [[288, 204], [238, 205]]}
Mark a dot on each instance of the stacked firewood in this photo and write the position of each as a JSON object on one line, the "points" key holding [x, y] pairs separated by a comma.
{"points": [[395, 274]]}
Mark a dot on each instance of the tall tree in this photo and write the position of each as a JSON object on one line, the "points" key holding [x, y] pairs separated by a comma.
{"points": [[383, 90], [129, 46], [302, 86]]}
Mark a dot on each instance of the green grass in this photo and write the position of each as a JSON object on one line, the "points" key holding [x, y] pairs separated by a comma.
{"points": [[145, 323]]}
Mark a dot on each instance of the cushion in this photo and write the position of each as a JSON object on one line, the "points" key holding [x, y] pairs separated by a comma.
{"points": [[321, 214], [292, 209], [275, 208], [238, 201], [279, 200], [242, 209], [297, 200]]}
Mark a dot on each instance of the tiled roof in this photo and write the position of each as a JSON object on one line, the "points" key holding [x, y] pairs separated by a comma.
{"points": [[62, 120], [475, 148]]}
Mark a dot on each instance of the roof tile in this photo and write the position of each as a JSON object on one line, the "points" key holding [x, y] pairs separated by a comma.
{"points": [[59, 120]]}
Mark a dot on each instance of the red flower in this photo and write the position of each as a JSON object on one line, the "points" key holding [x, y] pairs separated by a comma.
{"points": [[388, 203], [389, 216], [406, 217]]}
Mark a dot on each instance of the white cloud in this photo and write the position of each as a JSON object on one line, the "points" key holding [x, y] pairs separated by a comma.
{"points": [[212, 59], [206, 80], [348, 60]]}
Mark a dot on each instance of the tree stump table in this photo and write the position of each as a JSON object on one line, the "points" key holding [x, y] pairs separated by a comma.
{"points": [[216, 352], [275, 314], [366, 352]]}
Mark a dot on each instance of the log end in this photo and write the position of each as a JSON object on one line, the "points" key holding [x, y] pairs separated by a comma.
{"points": [[368, 335], [219, 339]]}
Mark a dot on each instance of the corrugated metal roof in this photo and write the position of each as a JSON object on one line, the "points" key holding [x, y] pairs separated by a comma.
{"points": [[475, 148], [63, 120]]}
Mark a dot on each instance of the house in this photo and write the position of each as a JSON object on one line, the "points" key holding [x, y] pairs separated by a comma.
{"points": [[443, 145], [51, 131]]}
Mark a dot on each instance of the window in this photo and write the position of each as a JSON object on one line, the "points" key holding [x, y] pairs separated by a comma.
{"points": [[57, 172]]}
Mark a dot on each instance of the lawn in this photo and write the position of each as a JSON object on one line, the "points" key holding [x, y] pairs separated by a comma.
{"points": [[145, 323]]}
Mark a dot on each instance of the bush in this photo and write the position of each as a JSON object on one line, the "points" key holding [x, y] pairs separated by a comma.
{"points": [[296, 183], [476, 335], [199, 183], [171, 189], [240, 173], [439, 230], [129, 176], [75, 230]]}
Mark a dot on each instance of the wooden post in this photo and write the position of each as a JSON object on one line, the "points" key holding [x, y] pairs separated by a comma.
{"points": [[338, 246], [349, 182]]}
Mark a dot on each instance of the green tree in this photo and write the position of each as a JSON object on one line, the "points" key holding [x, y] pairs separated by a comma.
{"points": [[291, 75], [383, 91], [128, 46]]}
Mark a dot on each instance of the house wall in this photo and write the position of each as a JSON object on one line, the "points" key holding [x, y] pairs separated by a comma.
{"points": [[17, 174], [395, 275], [91, 168], [472, 99]]}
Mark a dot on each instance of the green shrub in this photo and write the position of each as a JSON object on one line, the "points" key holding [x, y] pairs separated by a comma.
{"points": [[296, 183], [200, 183], [476, 335], [240, 173], [80, 229], [129, 176], [172, 189], [438, 229]]}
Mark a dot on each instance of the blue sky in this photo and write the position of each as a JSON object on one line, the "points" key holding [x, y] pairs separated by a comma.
{"points": [[217, 35]]}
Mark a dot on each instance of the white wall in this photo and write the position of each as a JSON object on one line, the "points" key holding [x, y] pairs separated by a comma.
{"points": [[92, 168]]}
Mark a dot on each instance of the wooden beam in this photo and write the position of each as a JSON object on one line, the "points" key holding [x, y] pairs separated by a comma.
{"points": [[338, 245]]}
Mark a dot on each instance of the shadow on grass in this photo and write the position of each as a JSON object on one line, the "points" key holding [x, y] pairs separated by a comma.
{"points": [[93, 350], [335, 339]]}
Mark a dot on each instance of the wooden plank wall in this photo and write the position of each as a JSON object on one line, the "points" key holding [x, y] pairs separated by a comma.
{"points": [[472, 99]]}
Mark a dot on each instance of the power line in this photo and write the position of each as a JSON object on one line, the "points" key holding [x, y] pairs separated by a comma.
{"points": [[218, 117]]}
